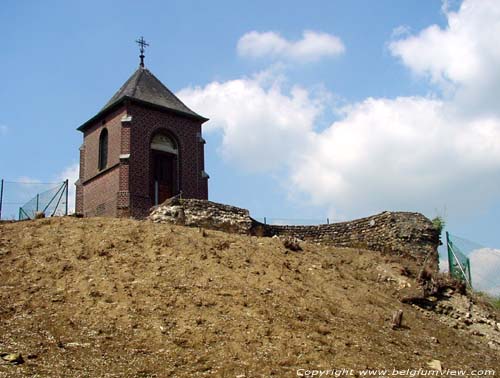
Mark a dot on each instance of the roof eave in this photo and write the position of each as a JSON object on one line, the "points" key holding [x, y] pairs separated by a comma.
{"points": [[119, 102], [102, 113], [170, 110]]}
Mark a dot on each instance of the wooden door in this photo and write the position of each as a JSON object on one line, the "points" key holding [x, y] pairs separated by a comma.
{"points": [[164, 176]]}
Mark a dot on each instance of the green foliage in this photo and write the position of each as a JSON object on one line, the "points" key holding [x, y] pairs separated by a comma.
{"points": [[494, 301], [439, 223]]}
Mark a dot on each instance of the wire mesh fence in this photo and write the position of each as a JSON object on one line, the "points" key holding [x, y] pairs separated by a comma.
{"points": [[24, 199], [475, 264], [459, 264]]}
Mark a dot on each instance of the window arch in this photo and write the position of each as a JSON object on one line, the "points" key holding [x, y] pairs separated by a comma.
{"points": [[103, 149], [162, 142]]}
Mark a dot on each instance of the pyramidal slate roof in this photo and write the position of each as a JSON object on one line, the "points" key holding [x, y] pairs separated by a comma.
{"points": [[144, 87]]}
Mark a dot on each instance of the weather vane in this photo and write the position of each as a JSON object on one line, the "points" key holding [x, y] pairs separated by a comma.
{"points": [[141, 42]]}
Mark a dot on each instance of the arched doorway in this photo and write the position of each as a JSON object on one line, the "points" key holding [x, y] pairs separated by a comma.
{"points": [[165, 173]]}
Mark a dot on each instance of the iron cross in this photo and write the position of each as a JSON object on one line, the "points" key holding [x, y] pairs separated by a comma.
{"points": [[141, 42]]}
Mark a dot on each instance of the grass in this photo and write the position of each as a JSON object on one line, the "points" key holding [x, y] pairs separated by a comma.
{"points": [[493, 301]]}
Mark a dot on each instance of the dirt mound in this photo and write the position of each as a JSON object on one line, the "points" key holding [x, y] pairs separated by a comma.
{"points": [[123, 298]]}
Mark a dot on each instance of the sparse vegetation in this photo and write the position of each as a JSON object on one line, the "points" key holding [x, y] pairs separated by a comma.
{"points": [[97, 297], [439, 223], [493, 301]]}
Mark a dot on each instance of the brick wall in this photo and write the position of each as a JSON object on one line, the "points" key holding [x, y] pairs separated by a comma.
{"points": [[79, 187], [145, 124], [96, 193], [113, 124], [100, 194], [126, 182]]}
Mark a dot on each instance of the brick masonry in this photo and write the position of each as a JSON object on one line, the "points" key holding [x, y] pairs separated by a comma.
{"points": [[123, 187]]}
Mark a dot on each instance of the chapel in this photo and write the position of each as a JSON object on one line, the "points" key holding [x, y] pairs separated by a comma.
{"points": [[143, 147]]}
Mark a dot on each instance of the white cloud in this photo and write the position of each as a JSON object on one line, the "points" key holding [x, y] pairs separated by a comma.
{"points": [[461, 58], [408, 153], [399, 31], [25, 180], [71, 174], [312, 47], [263, 126], [485, 270]]}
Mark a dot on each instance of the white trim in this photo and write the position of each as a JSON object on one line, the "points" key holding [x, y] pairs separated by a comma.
{"points": [[204, 174], [164, 148], [124, 156], [127, 118], [162, 142]]}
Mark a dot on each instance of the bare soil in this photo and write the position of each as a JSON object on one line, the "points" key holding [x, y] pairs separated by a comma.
{"points": [[124, 298]]}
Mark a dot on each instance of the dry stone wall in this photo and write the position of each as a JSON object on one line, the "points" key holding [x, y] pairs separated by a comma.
{"points": [[402, 233], [202, 213]]}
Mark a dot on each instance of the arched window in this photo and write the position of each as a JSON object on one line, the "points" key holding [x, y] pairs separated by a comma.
{"points": [[103, 149]]}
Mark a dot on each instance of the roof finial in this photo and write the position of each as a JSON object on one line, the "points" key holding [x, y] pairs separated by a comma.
{"points": [[141, 42]]}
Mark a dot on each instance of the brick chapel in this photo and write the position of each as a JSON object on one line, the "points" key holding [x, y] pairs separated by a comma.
{"points": [[142, 147]]}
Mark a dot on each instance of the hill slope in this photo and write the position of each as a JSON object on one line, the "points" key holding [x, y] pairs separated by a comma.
{"points": [[115, 297]]}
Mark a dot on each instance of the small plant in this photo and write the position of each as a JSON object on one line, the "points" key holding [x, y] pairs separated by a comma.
{"points": [[492, 300], [496, 303], [439, 223]]}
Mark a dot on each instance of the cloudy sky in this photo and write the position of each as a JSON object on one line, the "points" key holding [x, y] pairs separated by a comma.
{"points": [[336, 109]]}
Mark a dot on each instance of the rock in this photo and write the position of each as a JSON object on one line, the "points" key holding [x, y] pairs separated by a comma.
{"points": [[39, 215], [292, 244], [397, 319], [13, 358], [477, 333], [493, 345], [434, 340], [436, 365]]}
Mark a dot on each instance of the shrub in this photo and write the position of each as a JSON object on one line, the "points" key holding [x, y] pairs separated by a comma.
{"points": [[438, 223]]}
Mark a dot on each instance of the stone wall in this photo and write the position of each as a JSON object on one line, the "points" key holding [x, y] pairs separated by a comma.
{"points": [[402, 233], [202, 213]]}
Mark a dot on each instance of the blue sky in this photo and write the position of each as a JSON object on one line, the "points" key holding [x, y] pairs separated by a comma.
{"points": [[386, 105]]}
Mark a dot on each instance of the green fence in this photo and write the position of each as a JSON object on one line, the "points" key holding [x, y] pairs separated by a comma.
{"points": [[459, 263], [21, 199], [50, 202]]}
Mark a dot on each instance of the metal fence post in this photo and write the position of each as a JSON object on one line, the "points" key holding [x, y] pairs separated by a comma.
{"points": [[1, 198], [37, 200], [450, 257], [327, 220], [67, 182], [469, 272]]}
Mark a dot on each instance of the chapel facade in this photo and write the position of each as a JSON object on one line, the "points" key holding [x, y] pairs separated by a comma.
{"points": [[143, 147]]}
